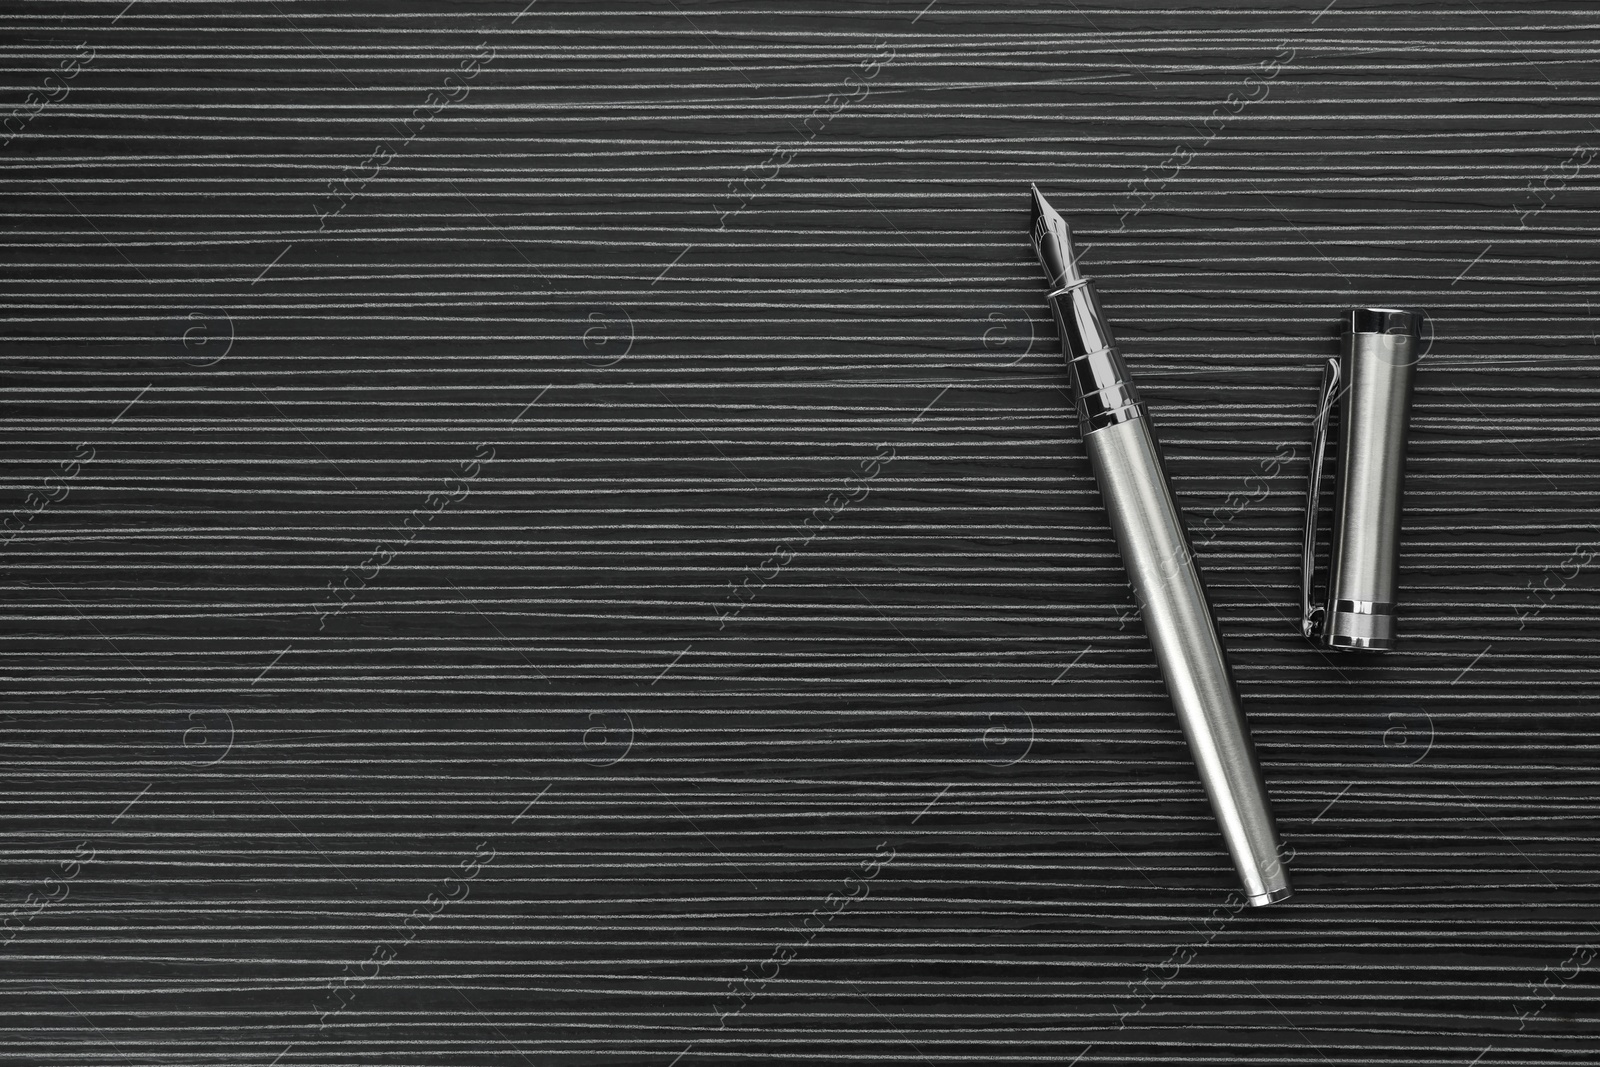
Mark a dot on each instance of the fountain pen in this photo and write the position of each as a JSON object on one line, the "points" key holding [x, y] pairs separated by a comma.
{"points": [[1154, 544]]}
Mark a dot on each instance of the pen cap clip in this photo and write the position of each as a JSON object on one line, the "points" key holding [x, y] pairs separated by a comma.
{"points": [[1311, 613], [1371, 384]]}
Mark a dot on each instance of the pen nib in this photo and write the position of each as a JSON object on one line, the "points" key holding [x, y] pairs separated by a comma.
{"points": [[1052, 240]]}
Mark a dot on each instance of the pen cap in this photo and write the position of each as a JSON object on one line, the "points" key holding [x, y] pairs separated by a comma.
{"points": [[1366, 403]]}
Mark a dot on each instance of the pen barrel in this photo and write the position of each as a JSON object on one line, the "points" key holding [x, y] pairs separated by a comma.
{"points": [[1183, 632], [1377, 367]]}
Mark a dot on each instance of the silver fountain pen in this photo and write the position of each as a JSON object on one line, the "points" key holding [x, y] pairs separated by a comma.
{"points": [[1155, 550]]}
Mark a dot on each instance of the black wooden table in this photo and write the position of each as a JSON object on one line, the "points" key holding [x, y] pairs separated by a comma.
{"points": [[552, 534]]}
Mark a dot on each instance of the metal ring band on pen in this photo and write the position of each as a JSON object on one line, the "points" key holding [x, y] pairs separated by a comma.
{"points": [[1363, 607], [1108, 405], [1101, 388]]}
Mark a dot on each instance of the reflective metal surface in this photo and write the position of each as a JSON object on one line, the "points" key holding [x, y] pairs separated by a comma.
{"points": [[1177, 617], [1311, 613], [1052, 240], [1166, 583], [1098, 379], [1377, 366]]}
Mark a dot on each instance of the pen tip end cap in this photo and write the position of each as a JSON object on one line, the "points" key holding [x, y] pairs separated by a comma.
{"points": [[1274, 896]]}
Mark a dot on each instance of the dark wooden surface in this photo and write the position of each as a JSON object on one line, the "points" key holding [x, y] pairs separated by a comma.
{"points": [[525, 798]]}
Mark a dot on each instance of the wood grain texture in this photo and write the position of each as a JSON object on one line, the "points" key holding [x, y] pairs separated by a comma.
{"points": [[552, 535]]}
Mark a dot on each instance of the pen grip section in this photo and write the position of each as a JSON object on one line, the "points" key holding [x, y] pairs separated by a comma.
{"points": [[1183, 634], [1101, 388]]}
